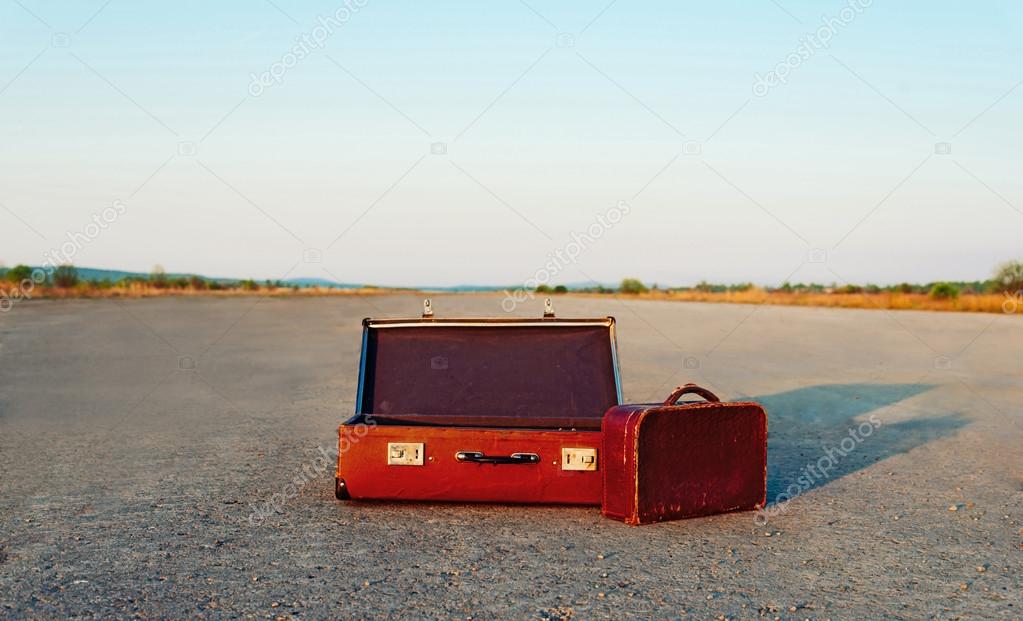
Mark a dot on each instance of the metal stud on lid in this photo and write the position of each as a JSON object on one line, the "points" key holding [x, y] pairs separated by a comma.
{"points": [[427, 308], [548, 308]]}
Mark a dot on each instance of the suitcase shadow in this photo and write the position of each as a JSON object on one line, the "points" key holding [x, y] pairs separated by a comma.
{"points": [[821, 433]]}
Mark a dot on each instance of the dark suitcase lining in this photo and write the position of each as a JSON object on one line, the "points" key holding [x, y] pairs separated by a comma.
{"points": [[552, 376], [512, 422]]}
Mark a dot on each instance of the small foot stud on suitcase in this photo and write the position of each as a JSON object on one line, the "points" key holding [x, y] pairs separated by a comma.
{"points": [[340, 490]]}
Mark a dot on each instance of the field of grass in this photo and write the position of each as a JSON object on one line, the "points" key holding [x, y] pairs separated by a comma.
{"points": [[974, 303], [141, 290], [23, 282]]}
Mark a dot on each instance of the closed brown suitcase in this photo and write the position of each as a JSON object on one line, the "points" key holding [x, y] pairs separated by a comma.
{"points": [[670, 461]]}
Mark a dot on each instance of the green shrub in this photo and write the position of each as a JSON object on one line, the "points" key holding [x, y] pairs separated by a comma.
{"points": [[632, 286], [249, 285], [543, 289], [65, 276], [19, 273], [158, 277], [944, 291], [561, 289], [1008, 276]]}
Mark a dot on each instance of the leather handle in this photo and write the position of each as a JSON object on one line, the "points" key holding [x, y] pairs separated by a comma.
{"points": [[477, 457], [691, 389]]}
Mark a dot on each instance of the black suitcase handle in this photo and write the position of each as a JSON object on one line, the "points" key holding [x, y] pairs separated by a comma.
{"points": [[477, 457], [691, 389]]}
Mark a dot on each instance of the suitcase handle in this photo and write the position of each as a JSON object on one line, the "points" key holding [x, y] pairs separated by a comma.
{"points": [[477, 457], [691, 389]]}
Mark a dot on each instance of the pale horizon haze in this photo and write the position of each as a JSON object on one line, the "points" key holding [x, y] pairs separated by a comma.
{"points": [[458, 143]]}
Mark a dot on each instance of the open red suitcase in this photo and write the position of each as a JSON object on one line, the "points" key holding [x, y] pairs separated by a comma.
{"points": [[491, 410]]}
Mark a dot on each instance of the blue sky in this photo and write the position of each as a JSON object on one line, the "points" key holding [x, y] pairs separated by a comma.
{"points": [[548, 114]]}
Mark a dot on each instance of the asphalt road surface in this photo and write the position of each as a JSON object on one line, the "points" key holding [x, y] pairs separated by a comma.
{"points": [[145, 447]]}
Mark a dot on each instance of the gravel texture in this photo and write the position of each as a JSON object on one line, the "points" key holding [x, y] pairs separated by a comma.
{"points": [[144, 445]]}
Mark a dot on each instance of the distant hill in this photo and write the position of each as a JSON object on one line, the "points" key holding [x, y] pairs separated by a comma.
{"points": [[489, 288], [319, 282], [462, 288], [91, 273]]}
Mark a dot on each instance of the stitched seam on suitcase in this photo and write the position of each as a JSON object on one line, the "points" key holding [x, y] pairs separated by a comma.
{"points": [[642, 414], [616, 489]]}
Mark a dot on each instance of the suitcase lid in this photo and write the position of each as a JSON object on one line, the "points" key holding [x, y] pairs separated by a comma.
{"points": [[489, 372]]}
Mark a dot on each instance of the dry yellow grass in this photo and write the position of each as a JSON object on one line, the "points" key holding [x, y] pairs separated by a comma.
{"points": [[136, 290], [973, 303]]}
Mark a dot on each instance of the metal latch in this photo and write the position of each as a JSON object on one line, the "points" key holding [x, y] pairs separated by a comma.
{"points": [[548, 308], [427, 308], [404, 454], [578, 459]]}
